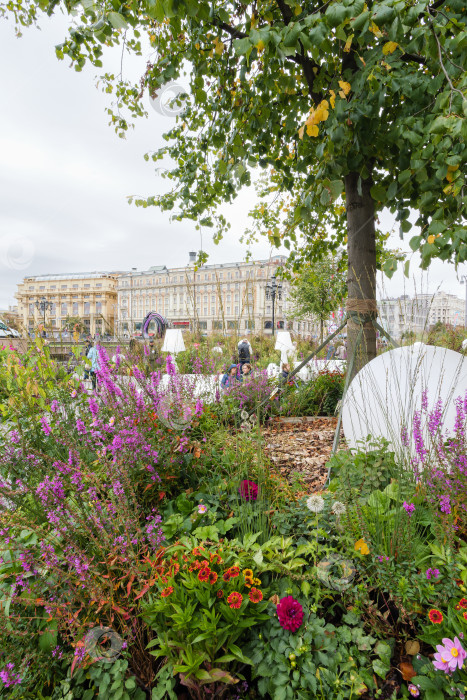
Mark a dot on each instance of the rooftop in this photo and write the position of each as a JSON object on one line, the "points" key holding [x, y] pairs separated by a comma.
{"points": [[71, 275]]}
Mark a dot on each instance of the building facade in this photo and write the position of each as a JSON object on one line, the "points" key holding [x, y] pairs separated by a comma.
{"points": [[89, 296], [418, 314], [229, 298]]}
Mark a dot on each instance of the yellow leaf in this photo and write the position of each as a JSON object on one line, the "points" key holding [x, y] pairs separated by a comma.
{"points": [[218, 46], [452, 168], [362, 546], [152, 38], [301, 132], [312, 130], [389, 47], [348, 43], [345, 87], [376, 30], [297, 10], [260, 46], [430, 239], [332, 99]]}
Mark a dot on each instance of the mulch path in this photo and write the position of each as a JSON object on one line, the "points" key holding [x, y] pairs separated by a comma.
{"points": [[299, 449]]}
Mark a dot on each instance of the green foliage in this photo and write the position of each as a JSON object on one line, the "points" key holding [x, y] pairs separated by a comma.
{"points": [[206, 605], [362, 472], [320, 660], [318, 397], [319, 291]]}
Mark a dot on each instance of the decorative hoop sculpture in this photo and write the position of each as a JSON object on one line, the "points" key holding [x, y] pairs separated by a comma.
{"points": [[161, 324]]}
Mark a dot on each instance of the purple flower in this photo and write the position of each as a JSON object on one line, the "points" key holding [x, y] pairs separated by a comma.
{"points": [[432, 573], [45, 426], [445, 504], [80, 427], [450, 656], [8, 676], [409, 508]]}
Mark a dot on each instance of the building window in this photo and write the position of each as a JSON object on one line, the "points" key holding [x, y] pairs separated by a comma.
{"points": [[31, 288], [86, 286], [42, 287], [98, 285], [87, 308], [203, 325], [64, 286], [75, 286], [250, 325], [280, 324], [98, 307], [232, 324], [217, 325], [64, 310], [31, 309], [75, 308], [53, 286], [267, 325]]}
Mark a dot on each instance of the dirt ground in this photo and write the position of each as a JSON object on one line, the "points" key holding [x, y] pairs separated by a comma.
{"points": [[299, 449]]}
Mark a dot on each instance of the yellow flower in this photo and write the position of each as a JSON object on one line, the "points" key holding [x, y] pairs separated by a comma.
{"points": [[362, 546], [430, 239], [247, 573], [257, 582]]}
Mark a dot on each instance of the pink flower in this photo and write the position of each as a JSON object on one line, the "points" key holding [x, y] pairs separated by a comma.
{"points": [[248, 490], [290, 613], [450, 656], [413, 690], [202, 508], [409, 508]]}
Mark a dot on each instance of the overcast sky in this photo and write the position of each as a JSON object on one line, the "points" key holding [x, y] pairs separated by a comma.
{"points": [[65, 177]]}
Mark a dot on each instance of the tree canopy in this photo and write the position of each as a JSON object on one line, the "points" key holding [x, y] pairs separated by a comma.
{"points": [[319, 291], [346, 101]]}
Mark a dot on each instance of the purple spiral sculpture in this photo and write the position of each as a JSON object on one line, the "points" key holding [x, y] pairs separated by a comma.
{"points": [[160, 321]]}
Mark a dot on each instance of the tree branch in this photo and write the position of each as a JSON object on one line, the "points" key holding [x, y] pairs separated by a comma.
{"points": [[234, 33], [413, 57]]}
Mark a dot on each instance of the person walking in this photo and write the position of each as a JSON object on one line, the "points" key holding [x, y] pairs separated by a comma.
{"points": [[93, 355], [152, 358], [84, 353], [284, 375], [230, 377], [245, 351]]}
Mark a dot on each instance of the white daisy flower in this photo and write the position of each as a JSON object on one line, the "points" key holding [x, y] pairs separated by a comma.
{"points": [[338, 508], [246, 426], [315, 503], [244, 415]]}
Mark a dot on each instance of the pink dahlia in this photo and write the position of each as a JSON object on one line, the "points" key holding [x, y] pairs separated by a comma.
{"points": [[290, 613], [248, 490], [450, 656]]}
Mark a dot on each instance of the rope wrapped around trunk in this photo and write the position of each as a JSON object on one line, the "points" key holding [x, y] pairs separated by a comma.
{"points": [[362, 312]]}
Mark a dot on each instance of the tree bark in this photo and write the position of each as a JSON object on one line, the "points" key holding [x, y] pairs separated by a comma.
{"points": [[361, 279]]}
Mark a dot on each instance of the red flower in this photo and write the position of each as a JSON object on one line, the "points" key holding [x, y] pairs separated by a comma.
{"points": [[290, 613], [255, 595], [204, 574], [212, 577], [235, 600], [435, 616], [234, 571], [464, 615], [167, 591], [248, 490], [220, 593], [226, 575], [463, 603], [216, 559]]}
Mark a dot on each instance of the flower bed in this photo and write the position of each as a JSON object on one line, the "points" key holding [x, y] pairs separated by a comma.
{"points": [[148, 550]]}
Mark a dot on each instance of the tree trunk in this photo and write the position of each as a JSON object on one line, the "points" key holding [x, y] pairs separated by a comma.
{"points": [[361, 279]]}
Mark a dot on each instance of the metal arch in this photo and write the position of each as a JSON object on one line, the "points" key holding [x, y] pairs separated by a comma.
{"points": [[161, 324]]}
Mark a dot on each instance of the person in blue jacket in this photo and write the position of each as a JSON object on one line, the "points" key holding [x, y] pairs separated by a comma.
{"points": [[93, 355], [230, 377]]}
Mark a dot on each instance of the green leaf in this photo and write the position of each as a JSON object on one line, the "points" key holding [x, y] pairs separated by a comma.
{"points": [[117, 20], [380, 668]]}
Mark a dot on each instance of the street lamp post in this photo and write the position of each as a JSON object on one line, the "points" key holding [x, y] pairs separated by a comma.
{"points": [[272, 288], [463, 280], [43, 305]]}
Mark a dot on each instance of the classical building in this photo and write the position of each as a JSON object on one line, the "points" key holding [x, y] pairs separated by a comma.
{"points": [[89, 296], [403, 314], [229, 298]]}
